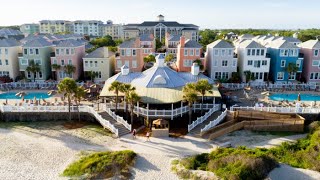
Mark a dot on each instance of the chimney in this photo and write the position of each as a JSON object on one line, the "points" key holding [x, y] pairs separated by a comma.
{"points": [[195, 69], [105, 52], [182, 41], [124, 70]]}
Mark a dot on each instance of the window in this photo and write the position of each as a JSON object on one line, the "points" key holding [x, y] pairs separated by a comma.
{"points": [[186, 52], [37, 51], [282, 52], [54, 61], [223, 52], [187, 63], [91, 63], [217, 75], [262, 52], [22, 62], [249, 62], [314, 75], [25, 51], [37, 61], [191, 52], [72, 51], [225, 75], [7, 62], [253, 52], [234, 63], [230, 52], [224, 63], [57, 51], [122, 52], [286, 52], [70, 61], [248, 52], [95, 63], [215, 63], [316, 52], [127, 63], [39, 75], [86, 64], [264, 62], [283, 63], [31, 51], [258, 52], [28, 74], [298, 63], [128, 52], [257, 63], [67, 51], [62, 62], [62, 51], [216, 52], [119, 64], [280, 75], [0, 62], [197, 52], [291, 52], [6, 51], [315, 63], [134, 64], [292, 76], [99, 74], [134, 53]]}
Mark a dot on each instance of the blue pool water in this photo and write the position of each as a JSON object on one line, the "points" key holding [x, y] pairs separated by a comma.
{"points": [[294, 97], [29, 95]]}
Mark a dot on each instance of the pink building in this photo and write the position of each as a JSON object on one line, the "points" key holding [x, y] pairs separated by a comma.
{"points": [[311, 65], [68, 52]]}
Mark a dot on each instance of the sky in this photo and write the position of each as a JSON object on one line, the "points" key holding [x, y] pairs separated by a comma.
{"points": [[212, 14]]}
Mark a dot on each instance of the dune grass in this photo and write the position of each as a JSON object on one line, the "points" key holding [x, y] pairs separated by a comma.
{"points": [[101, 165]]}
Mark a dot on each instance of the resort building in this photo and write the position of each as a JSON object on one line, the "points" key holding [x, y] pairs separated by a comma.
{"points": [[27, 29], [221, 61], [253, 58], [171, 43], [92, 28], [113, 30], [68, 52], [6, 33], [160, 27], [55, 26], [187, 52], [9, 64], [39, 51], [311, 63], [132, 52], [100, 62]]}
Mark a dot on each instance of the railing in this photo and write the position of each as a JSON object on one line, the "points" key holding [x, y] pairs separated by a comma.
{"points": [[30, 85], [105, 123], [118, 118], [215, 122], [293, 110], [200, 120], [288, 86]]}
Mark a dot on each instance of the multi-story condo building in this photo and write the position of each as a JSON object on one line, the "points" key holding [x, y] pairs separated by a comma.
{"points": [[39, 51], [9, 64], [221, 61], [253, 58], [160, 27], [30, 28], [171, 43], [101, 62], [132, 52], [55, 26], [113, 30], [187, 52], [311, 62], [282, 54], [91, 28], [68, 52]]}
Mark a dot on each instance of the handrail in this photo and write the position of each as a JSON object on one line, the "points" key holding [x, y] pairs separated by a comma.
{"points": [[292, 110], [237, 86], [215, 122], [200, 120], [118, 118]]}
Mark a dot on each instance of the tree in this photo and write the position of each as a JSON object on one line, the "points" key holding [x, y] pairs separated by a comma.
{"points": [[249, 76], [199, 62], [55, 67], [33, 68], [291, 69], [132, 97], [116, 87], [104, 41], [159, 43], [67, 87], [79, 93], [148, 59], [190, 95], [126, 89], [92, 75], [207, 37], [169, 58], [69, 69], [202, 87]]}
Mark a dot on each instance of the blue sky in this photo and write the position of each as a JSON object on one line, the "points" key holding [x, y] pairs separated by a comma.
{"points": [[214, 14]]}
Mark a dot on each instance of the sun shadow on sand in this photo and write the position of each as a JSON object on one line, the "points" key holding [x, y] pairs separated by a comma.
{"points": [[285, 172]]}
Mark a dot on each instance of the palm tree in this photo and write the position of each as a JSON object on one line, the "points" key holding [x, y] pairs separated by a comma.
{"points": [[190, 95], [290, 69], [249, 76], [68, 86], [116, 86], [148, 59], [55, 67], [33, 68], [69, 69], [203, 86], [132, 97], [126, 89], [169, 58], [199, 62], [92, 75], [78, 95]]}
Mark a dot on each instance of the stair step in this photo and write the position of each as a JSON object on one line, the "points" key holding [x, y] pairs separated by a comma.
{"points": [[122, 130]]}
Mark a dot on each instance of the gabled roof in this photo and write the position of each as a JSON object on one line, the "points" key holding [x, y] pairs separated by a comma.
{"points": [[280, 43], [250, 44], [220, 44], [40, 42], [70, 43], [192, 44], [166, 23], [174, 38], [99, 53], [246, 36], [9, 32], [9, 43], [146, 37], [127, 44], [311, 44]]}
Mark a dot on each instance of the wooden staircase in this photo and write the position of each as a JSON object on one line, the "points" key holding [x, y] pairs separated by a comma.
{"points": [[121, 129]]}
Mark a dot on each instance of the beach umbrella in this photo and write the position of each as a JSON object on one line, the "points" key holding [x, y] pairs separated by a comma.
{"points": [[160, 122], [299, 97]]}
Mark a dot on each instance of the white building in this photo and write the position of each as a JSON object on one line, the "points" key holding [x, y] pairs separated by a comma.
{"points": [[90, 27], [9, 64], [221, 60], [253, 57]]}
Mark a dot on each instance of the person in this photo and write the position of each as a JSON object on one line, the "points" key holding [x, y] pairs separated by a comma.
{"points": [[134, 133], [148, 136]]}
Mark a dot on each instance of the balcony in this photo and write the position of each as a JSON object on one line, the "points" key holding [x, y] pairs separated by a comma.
{"points": [[20, 55], [172, 46], [52, 54], [301, 55], [146, 46]]}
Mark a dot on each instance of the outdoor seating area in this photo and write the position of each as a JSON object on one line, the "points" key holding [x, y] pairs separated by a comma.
{"points": [[160, 128]]}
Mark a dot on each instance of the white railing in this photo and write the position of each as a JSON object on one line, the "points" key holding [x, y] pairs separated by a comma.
{"points": [[30, 85], [118, 118], [270, 86], [105, 123], [215, 122], [200, 120], [294, 110], [113, 105]]}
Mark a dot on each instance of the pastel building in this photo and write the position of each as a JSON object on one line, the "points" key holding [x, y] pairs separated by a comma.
{"points": [[30, 28], [132, 52], [68, 52], [253, 57], [91, 28], [9, 64], [39, 51], [101, 62], [311, 63], [55, 26], [187, 52], [171, 43], [221, 61], [113, 30]]}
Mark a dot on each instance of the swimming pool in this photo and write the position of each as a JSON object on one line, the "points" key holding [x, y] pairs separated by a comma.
{"points": [[29, 95], [294, 97]]}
